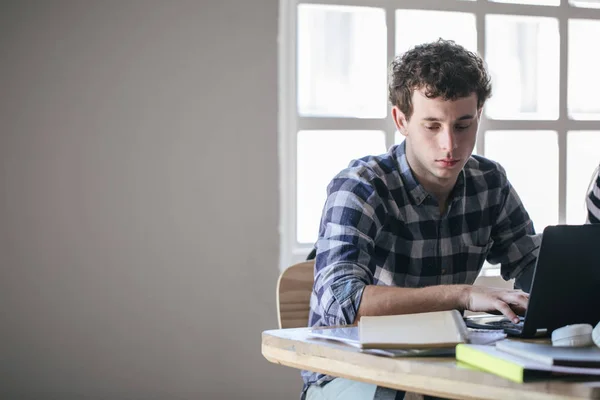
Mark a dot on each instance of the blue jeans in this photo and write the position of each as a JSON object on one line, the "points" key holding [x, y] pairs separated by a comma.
{"points": [[345, 389]]}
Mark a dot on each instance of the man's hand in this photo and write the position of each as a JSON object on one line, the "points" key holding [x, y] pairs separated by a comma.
{"points": [[508, 302]]}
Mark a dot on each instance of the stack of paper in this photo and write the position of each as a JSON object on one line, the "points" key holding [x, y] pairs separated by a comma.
{"points": [[586, 357], [523, 362]]}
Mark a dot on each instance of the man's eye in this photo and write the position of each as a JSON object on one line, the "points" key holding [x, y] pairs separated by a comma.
{"points": [[461, 127], [431, 127]]}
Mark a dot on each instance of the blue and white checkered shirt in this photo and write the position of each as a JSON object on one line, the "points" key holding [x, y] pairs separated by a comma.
{"points": [[593, 201], [380, 227]]}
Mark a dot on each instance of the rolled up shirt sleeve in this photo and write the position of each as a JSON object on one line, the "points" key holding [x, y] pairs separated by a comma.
{"points": [[593, 201], [352, 218]]}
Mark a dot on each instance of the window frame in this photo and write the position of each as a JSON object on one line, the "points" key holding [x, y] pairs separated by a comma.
{"points": [[290, 122]]}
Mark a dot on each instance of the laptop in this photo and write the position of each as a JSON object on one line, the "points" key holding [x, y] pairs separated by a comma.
{"points": [[566, 284]]}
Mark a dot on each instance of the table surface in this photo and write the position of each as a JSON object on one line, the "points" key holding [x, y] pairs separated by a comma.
{"points": [[442, 377]]}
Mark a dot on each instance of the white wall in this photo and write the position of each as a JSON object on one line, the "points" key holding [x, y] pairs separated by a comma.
{"points": [[138, 199]]}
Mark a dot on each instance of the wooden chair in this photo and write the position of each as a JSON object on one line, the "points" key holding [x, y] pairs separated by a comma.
{"points": [[294, 288]]}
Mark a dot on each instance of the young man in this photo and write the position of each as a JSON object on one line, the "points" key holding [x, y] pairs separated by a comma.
{"points": [[593, 199], [408, 231]]}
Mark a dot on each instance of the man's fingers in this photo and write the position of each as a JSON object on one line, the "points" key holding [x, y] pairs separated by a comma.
{"points": [[518, 299], [507, 311]]}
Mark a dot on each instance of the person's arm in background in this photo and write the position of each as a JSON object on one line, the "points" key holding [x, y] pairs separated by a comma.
{"points": [[516, 246], [352, 219], [593, 199]]}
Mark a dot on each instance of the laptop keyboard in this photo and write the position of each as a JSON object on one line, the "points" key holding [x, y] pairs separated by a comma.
{"points": [[505, 323]]}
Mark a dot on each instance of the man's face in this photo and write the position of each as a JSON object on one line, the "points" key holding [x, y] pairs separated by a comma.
{"points": [[440, 137]]}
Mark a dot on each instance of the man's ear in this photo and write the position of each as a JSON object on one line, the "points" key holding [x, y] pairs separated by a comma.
{"points": [[400, 120], [479, 111]]}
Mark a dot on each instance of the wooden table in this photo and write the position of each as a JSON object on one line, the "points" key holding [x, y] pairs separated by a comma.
{"points": [[433, 376]]}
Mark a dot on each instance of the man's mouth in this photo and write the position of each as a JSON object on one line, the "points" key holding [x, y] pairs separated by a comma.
{"points": [[448, 162]]}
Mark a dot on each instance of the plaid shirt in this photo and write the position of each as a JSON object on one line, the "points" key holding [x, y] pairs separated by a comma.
{"points": [[593, 201], [380, 227]]}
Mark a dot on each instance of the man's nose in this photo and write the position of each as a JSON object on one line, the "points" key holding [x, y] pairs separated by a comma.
{"points": [[447, 140]]}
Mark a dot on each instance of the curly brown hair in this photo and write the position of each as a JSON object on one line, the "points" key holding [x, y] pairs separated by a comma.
{"points": [[443, 68]]}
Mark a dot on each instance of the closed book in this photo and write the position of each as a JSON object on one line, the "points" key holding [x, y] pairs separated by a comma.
{"points": [[514, 368], [417, 331], [586, 357]]}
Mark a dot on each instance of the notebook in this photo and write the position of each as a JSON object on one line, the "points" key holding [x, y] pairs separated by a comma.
{"points": [[514, 368], [550, 355], [348, 335]]}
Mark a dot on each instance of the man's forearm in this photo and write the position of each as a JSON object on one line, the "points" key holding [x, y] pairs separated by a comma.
{"points": [[386, 300]]}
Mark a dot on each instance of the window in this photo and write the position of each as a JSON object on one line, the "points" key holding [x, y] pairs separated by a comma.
{"points": [[542, 122]]}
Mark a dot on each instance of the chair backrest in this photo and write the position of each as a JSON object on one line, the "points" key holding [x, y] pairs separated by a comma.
{"points": [[294, 288]]}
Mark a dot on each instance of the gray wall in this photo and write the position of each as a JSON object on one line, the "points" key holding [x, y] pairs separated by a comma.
{"points": [[138, 199]]}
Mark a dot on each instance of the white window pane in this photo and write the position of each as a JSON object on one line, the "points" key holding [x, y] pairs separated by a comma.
{"points": [[415, 27], [534, 2], [585, 3], [583, 156], [584, 81], [398, 137], [522, 54], [530, 159], [490, 270], [342, 61], [321, 155]]}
